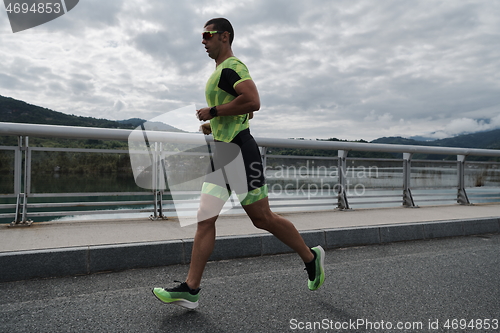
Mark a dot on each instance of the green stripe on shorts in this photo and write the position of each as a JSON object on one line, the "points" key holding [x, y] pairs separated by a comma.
{"points": [[253, 196], [216, 191], [244, 198]]}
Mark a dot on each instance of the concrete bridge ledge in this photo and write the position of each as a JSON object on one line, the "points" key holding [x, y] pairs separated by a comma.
{"points": [[68, 261]]}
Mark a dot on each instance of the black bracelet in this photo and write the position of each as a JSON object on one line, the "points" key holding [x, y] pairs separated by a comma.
{"points": [[213, 111]]}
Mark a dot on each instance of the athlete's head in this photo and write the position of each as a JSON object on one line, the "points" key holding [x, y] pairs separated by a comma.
{"points": [[222, 24]]}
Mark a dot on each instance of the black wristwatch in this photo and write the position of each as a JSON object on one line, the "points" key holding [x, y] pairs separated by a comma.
{"points": [[213, 111]]}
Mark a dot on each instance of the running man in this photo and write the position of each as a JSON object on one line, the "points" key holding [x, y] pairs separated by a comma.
{"points": [[232, 97]]}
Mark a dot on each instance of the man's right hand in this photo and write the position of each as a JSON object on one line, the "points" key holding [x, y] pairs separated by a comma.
{"points": [[206, 129]]}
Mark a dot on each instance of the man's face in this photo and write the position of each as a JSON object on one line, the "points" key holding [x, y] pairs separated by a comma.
{"points": [[213, 44]]}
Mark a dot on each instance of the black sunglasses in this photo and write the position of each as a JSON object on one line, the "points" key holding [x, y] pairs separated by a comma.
{"points": [[210, 34]]}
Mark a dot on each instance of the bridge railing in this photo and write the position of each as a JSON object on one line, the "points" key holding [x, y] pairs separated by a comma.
{"points": [[295, 182]]}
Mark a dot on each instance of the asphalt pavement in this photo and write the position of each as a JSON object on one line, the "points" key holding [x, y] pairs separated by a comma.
{"points": [[434, 285]]}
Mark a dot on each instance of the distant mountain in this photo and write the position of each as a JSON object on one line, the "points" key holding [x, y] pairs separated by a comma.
{"points": [[483, 140], [480, 140], [134, 122], [16, 111], [486, 140], [421, 138], [398, 140]]}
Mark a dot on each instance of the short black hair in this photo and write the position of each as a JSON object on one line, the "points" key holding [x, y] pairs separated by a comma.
{"points": [[222, 24]]}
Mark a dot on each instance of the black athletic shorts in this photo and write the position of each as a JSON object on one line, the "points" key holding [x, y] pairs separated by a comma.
{"points": [[236, 166]]}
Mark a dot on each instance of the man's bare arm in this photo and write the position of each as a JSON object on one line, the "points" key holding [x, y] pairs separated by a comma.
{"points": [[247, 101]]}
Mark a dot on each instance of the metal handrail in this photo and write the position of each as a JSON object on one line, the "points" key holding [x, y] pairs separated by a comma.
{"points": [[53, 131], [74, 132]]}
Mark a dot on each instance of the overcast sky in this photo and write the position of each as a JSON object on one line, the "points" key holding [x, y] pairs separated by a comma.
{"points": [[349, 69]]}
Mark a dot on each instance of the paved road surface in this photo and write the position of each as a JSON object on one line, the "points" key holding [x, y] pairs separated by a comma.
{"points": [[368, 289]]}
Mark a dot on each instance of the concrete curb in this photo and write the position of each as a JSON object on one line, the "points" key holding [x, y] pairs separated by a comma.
{"points": [[48, 263]]}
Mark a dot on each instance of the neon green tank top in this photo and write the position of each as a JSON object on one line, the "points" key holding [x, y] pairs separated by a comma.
{"points": [[220, 89]]}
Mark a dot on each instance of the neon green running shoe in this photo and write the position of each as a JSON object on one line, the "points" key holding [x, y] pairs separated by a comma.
{"points": [[315, 269], [181, 295]]}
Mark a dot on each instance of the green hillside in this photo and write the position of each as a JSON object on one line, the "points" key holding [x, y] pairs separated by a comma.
{"points": [[16, 111]]}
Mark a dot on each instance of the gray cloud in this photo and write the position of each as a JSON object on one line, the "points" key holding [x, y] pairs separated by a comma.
{"points": [[9, 82], [86, 16]]}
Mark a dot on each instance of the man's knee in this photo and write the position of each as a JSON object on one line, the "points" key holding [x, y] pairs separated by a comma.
{"points": [[210, 207], [206, 214], [259, 223], [263, 221]]}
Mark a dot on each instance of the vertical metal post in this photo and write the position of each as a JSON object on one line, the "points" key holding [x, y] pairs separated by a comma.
{"points": [[22, 179], [154, 182], [158, 181], [342, 202], [18, 164], [407, 196], [462, 197], [18, 174], [27, 177], [162, 181]]}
